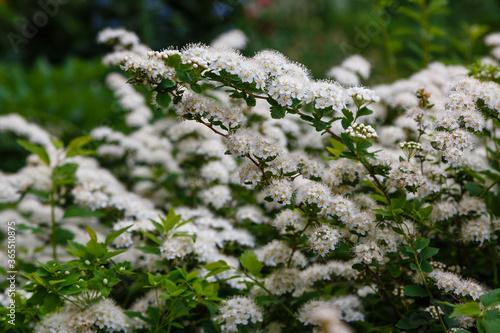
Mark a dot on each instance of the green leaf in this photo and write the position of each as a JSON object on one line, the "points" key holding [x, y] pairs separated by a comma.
{"points": [[63, 236], [413, 320], [35, 149], [91, 232], [51, 302], [347, 141], [165, 84], [363, 112], [278, 112], [114, 234], [75, 211], [196, 88], [74, 148], [425, 212], [415, 291], [491, 299], [426, 266], [474, 189], [183, 76], [249, 261], [421, 243], [337, 145], [65, 174], [468, 309], [163, 99], [380, 198], [428, 252], [251, 101], [152, 237], [490, 323], [57, 143], [399, 202], [216, 268], [171, 221], [174, 60], [394, 270], [382, 212], [79, 142], [149, 249], [348, 115]]}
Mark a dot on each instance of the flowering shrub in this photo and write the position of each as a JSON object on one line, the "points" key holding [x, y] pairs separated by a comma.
{"points": [[271, 201]]}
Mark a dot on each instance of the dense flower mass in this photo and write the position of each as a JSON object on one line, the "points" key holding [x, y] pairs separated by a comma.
{"points": [[265, 200]]}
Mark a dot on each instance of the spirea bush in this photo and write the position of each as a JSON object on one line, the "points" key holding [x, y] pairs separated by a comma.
{"points": [[248, 196]]}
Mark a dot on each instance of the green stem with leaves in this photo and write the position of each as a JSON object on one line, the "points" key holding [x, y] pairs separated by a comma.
{"points": [[53, 222]]}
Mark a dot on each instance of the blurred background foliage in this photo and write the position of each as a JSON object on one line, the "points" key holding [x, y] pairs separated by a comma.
{"points": [[52, 74]]}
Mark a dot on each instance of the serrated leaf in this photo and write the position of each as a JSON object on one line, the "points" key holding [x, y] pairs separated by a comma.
{"points": [[491, 299], [278, 112], [422, 242], [249, 261], [428, 252], [490, 323], [415, 291], [251, 101], [468, 309]]}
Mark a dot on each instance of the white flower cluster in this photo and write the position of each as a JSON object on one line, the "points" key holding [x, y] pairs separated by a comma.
{"points": [[361, 131], [347, 73], [324, 239], [363, 95], [235, 39], [477, 230], [450, 282], [493, 39], [105, 316], [236, 311], [411, 148], [130, 100], [204, 107], [289, 221], [349, 307], [278, 252]]}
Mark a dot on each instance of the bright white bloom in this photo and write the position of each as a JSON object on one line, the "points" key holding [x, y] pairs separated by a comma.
{"points": [[450, 282], [278, 252], [236, 311], [217, 196], [280, 190], [324, 239], [235, 39], [177, 247], [289, 220], [361, 131]]}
